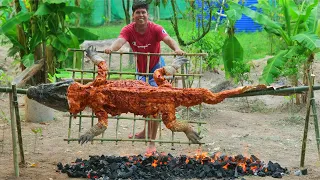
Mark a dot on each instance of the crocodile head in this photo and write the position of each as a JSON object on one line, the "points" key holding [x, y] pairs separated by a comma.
{"points": [[53, 95]]}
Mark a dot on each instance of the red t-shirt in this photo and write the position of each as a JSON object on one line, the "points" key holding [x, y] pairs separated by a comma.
{"points": [[149, 42]]}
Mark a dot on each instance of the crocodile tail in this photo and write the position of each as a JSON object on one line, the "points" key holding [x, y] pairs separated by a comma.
{"points": [[214, 98]]}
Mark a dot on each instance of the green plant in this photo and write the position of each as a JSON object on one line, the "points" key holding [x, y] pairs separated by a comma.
{"points": [[4, 78], [4, 116], [212, 44], [232, 50], [87, 15], [36, 131], [297, 27], [241, 72], [43, 29]]}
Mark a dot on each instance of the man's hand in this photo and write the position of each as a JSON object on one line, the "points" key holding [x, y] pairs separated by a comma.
{"points": [[179, 52], [108, 50]]}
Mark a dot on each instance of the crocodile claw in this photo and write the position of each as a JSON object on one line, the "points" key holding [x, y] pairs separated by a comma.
{"points": [[85, 138], [193, 137]]}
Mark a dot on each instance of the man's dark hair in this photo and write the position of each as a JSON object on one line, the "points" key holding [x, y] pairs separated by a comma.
{"points": [[137, 4]]}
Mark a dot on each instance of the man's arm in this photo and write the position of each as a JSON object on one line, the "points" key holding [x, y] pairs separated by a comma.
{"points": [[116, 45], [173, 45]]}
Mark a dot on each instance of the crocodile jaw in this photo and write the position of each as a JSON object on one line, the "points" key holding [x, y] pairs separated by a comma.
{"points": [[53, 95]]}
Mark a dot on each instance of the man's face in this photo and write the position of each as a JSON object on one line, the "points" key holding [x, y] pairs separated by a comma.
{"points": [[140, 16]]}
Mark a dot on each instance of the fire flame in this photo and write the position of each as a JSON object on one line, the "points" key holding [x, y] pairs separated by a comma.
{"points": [[227, 161]]}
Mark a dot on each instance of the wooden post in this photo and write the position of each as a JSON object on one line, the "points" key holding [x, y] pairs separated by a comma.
{"points": [[18, 123], [14, 137], [314, 113]]}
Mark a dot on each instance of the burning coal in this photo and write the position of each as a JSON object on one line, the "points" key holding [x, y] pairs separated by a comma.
{"points": [[161, 166]]}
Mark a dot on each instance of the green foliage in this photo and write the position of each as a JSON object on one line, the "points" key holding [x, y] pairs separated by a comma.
{"points": [[212, 44], [273, 68], [4, 78], [3, 116], [48, 27], [298, 28], [231, 52], [240, 72], [87, 16], [37, 131]]}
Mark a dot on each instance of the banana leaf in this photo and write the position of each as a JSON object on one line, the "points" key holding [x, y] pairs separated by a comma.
{"points": [[28, 60], [46, 8], [273, 68], [312, 21], [35, 40], [12, 36], [234, 13], [308, 40], [231, 51], [305, 14], [83, 34], [54, 1], [43, 9], [14, 21]]}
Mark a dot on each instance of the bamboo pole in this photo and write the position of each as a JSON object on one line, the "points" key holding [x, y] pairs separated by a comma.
{"points": [[306, 125], [18, 123], [14, 137], [142, 119], [315, 115], [120, 68], [298, 89], [134, 128], [152, 54], [291, 90], [137, 140], [9, 90], [305, 132], [69, 128]]}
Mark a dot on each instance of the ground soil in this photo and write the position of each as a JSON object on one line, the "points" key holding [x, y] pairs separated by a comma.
{"points": [[270, 127]]}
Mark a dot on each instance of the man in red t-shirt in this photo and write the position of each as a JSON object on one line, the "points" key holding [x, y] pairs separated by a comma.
{"points": [[145, 36]]}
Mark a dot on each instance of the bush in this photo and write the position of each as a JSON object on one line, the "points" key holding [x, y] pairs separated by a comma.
{"points": [[212, 44]]}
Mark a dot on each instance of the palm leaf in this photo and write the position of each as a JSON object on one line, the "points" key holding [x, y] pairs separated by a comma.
{"points": [[273, 68]]}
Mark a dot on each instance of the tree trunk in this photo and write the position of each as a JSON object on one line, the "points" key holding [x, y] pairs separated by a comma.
{"points": [[77, 4]]}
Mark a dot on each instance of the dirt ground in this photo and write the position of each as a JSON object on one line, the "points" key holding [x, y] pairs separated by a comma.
{"points": [[270, 127]]}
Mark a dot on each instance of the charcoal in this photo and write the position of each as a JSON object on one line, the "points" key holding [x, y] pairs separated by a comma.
{"points": [[219, 174], [126, 174], [159, 166], [277, 175], [271, 167], [60, 166], [261, 174], [206, 168], [78, 160]]}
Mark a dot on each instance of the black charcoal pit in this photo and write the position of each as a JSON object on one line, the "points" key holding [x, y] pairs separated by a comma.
{"points": [[160, 166]]}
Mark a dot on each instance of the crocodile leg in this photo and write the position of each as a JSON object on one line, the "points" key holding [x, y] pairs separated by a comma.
{"points": [[97, 129], [169, 119]]}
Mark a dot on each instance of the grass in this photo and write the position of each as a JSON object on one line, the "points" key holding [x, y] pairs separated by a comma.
{"points": [[257, 45]]}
